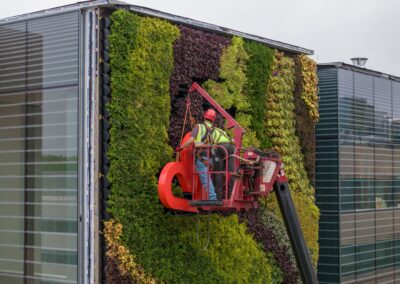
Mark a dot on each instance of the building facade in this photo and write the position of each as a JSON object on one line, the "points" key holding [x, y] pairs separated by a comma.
{"points": [[44, 142], [53, 132], [358, 175]]}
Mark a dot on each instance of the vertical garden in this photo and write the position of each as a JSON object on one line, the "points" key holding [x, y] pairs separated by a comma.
{"points": [[272, 94]]}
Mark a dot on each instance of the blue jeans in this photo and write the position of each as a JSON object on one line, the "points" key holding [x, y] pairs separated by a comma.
{"points": [[201, 167]]}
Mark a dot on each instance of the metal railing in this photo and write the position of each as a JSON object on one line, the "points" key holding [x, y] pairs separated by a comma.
{"points": [[207, 155]]}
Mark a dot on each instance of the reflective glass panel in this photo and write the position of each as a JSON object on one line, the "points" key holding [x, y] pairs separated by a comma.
{"points": [[38, 150]]}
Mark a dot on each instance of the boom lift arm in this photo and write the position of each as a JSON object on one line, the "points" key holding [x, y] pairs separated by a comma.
{"points": [[256, 174], [293, 228], [238, 131]]}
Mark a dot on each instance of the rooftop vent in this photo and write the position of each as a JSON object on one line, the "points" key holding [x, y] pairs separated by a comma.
{"points": [[359, 61]]}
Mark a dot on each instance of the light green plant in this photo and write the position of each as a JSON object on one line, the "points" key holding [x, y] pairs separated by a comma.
{"points": [[309, 86], [281, 130], [230, 92], [258, 72]]}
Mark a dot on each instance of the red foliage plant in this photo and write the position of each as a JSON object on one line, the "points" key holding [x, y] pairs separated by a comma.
{"points": [[196, 58]]}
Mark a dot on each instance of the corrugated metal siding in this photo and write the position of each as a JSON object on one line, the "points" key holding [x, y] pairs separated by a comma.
{"points": [[327, 176]]}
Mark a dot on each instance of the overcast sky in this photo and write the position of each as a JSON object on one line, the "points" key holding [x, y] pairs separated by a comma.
{"points": [[335, 29]]}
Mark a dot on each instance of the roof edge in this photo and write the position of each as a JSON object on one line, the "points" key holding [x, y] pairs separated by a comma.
{"points": [[163, 15], [60, 9], [218, 29], [360, 69]]}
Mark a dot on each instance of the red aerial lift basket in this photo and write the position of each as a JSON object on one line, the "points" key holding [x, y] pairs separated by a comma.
{"points": [[253, 174]]}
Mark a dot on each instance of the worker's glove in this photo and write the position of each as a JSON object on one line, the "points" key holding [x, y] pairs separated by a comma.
{"points": [[178, 149]]}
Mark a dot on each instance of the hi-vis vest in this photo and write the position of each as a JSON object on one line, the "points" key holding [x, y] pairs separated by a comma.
{"points": [[210, 135], [218, 136]]}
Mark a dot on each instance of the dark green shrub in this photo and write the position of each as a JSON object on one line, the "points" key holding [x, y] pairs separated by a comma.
{"points": [[140, 105]]}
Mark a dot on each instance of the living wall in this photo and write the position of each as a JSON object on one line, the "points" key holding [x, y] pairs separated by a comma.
{"points": [[150, 59], [281, 128], [258, 70], [196, 58], [306, 110]]}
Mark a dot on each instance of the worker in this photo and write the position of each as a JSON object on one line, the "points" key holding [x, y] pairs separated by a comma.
{"points": [[223, 154], [200, 136]]}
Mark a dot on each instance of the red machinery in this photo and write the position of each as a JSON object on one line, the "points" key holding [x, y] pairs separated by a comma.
{"points": [[255, 175]]}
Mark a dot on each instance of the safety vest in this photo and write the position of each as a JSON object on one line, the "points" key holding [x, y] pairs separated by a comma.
{"points": [[218, 136], [203, 136], [210, 135]]}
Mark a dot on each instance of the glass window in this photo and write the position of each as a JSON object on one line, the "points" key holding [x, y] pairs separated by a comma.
{"points": [[369, 176], [363, 107], [365, 243], [348, 263], [365, 260], [12, 79], [396, 142], [38, 150]]}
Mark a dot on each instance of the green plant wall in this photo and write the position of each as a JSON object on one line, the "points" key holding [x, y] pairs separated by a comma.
{"points": [[230, 92], [269, 231], [196, 59], [306, 101], [144, 242], [281, 129], [258, 72], [164, 245]]}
